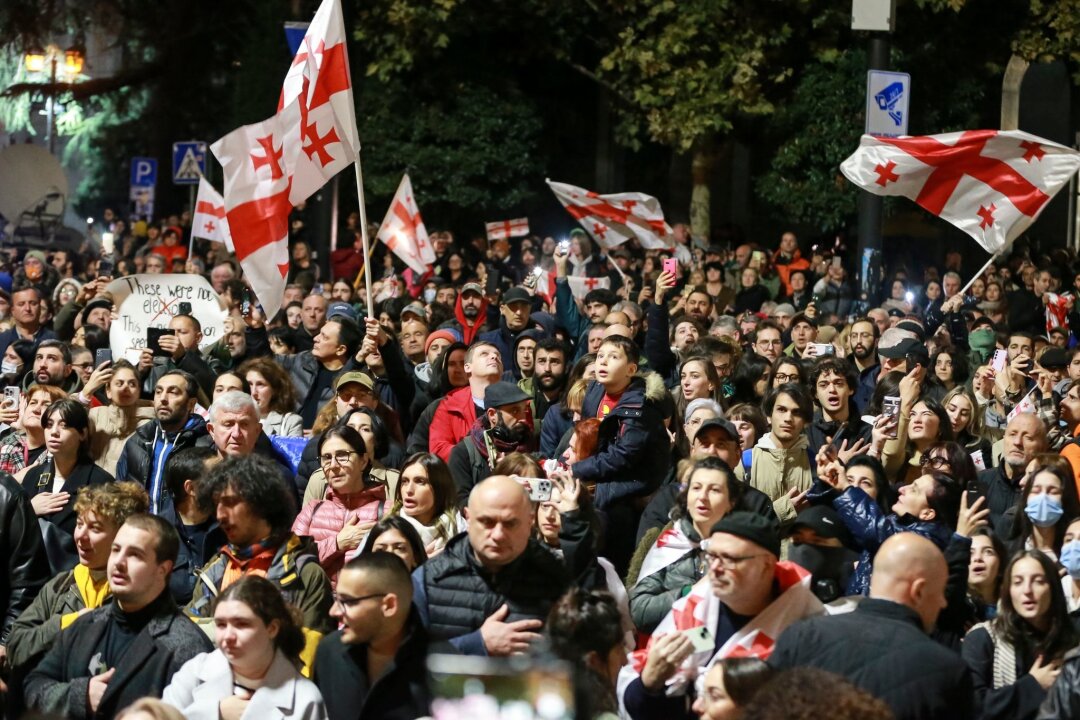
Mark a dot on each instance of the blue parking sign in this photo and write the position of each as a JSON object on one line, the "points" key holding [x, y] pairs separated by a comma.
{"points": [[143, 172]]}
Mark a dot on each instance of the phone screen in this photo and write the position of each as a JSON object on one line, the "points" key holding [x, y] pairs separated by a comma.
{"points": [[153, 341]]}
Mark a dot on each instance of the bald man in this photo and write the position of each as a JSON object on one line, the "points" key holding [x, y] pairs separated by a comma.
{"points": [[489, 590], [883, 646]]}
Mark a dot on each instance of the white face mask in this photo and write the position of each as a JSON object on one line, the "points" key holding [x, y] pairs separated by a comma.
{"points": [[8, 368], [429, 295]]}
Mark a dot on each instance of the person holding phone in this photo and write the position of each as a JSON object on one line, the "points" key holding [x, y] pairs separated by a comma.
{"points": [[111, 425], [178, 350]]}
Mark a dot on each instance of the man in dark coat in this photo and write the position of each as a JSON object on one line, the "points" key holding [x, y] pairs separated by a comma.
{"points": [[883, 646], [489, 590], [130, 647], [381, 639]]}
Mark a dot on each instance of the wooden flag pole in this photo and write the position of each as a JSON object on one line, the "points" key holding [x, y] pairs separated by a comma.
{"points": [[363, 234], [979, 274]]}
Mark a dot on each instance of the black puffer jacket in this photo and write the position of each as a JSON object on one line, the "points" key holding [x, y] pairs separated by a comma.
{"points": [[20, 544], [455, 594], [138, 453]]}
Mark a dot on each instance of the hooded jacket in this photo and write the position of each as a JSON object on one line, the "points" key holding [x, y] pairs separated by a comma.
{"points": [[633, 447], [470, 331], [137, 459], [775, 471]]}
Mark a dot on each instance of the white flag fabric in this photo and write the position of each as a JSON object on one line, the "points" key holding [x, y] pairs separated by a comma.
{"points": [[581, 286], [991, 184], [275, 164], [208, 221], [506, 229], [613, 219], [403, 230]]}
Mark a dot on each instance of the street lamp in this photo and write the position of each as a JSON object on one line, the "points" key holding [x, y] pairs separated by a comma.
{"points": [[36, 60]]}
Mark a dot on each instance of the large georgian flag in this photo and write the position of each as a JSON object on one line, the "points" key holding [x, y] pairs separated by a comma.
{"points": [[613, 219], [991, 184], [273, 165], [403, 230]]}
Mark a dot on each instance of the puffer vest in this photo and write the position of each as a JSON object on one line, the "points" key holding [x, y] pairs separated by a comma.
{"points": [[461, 594]]}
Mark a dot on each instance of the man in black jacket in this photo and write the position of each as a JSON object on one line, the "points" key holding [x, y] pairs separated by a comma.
{"points": [[27, 567], [489, 590], [175, 427], [883, 646], [381, 639], [129, 648]]}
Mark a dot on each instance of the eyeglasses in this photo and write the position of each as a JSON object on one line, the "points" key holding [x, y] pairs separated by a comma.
{"points": [[726, 562], [936, 463], [782, 378], [348, 602], [343, 457]]}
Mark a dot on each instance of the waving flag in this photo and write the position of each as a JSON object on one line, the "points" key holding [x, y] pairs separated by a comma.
{"points": [[991, 184], [403, 230], [613, 219], [506, 229], [275, 164], [209, 221]]}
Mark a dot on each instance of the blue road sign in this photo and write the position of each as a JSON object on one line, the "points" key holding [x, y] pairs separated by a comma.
{"points": [[143, 172], [188, 162], [888, 96]]}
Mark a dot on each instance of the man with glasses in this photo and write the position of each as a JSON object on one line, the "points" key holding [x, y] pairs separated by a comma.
{"points": [[381, 638], [767, 341], [255, 509], [745, 601]]}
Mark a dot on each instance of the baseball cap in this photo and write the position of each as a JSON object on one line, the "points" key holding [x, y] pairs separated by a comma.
{"points": [[516, 294], [892, 343], [343, 309], [472, 287], [720, 424], [803, 318], [824, 521], [354, 377], [1055, 358], [752, 527], [503, 393], [415, 309]]}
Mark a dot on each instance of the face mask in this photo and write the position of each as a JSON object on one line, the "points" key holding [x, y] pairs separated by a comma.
{"points": [[1070, 558], [8, 368], [1043, 510], [429, 295]]}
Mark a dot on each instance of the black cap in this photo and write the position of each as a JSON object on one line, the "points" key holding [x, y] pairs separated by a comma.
{"points": [[719, 424], [824, 521], [503, 393], [803, 318], [1054, 358], [896, 312], [900, 349], [95, 304], [912, 327], [516, 294], [752, 527]]}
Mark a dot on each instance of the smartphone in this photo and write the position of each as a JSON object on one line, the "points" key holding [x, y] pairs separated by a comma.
{"points": [[185, 308], [105, 267], [246, 303], [837, 261], [12, 396], [974, 492], [701, 638], [153, 341], [909, 297], [539, 488], [564, 247], [671, 265], [1027, 365], [316, 289], [1000, 358], [108, 243], [822, 349], [890, 406], [102, 356]]}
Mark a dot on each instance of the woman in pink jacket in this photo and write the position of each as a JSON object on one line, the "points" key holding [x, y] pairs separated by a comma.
{"points": [[339, 522]]}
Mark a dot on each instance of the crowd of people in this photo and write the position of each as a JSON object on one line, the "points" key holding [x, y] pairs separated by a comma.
{"points": [[712, 481]]}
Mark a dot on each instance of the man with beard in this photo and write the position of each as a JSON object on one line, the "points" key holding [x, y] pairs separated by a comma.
{"points": [[505, 427], [52, 366], [471, 311], [864, 339], [548, 382], [175, 427]]}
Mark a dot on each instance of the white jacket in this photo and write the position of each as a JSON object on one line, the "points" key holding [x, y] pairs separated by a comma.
{"points": [[204, 681]]}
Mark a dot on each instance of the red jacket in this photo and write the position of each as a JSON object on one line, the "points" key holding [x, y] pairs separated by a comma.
{"points": [[453, 419]]}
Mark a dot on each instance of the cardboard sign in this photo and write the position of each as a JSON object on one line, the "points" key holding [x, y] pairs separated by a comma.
{"points": [[151, 301]]}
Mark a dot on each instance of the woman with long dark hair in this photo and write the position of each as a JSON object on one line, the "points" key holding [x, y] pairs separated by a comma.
{"points": [[427, 497], [751, 379], [255, 669], [274, 394], [584, 629], [985, 572], [1046, 506], [394, 534], [52, 485], [1015, 657]]}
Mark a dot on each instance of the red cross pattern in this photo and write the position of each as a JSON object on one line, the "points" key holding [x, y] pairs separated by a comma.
{"points": [[951, 163], [886, 174], [1033, 151], [318, 144], [591, 283], [600, 230], [987, 215], [269, 157], [209, 226]]}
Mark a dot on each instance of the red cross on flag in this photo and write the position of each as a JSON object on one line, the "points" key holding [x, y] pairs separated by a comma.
{"points": [[613, 219], [403, 230], [506, 229], [209, 221], [581, 286], [991, 184], [275, 164]]}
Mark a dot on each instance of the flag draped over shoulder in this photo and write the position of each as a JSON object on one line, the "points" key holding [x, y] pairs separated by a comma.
{"points": [[275, 164], [613, 219], [991, 184]]}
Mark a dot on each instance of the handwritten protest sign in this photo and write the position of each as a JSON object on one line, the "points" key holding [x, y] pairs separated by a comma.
{"points": [[151, 301]]}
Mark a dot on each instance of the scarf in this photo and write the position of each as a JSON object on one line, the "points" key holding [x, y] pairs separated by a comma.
{"points": [[255, 559], [485, 441], [672, 545]]}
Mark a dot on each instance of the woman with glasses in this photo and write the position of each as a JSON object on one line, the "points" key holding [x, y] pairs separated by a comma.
{"points": [[376, 440], [787, 370], [1016, 657], [1046, 506], [255, 670], [351, 506]]}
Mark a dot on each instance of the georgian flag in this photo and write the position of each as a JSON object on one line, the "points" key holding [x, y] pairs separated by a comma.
{"points": [[670, 546], [209, 221], [275, 164], [613, 219], [403, 230], [506, 229], [991, 184]]}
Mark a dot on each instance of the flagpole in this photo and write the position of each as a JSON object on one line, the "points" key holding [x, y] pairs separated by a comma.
{"points": [[977, 275], [363, 232]]}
